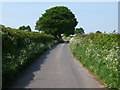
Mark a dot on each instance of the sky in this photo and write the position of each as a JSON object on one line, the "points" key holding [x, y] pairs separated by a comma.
{"points": [[91, 16]]}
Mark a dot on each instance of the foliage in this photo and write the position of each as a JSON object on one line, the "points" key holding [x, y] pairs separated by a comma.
{"points": [[19, 49], [98, 32], [28, 28], [22, 27], [67, 38], [56, 21], [79, 31], [99, 53], [1, 26], [25, 28]]}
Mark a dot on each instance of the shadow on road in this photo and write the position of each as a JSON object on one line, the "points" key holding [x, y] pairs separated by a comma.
{"points": [[28, 74], [66, 42]]}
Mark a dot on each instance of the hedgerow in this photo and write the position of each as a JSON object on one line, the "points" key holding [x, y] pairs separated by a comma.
{"points": [[19, 48], [99, 53]]}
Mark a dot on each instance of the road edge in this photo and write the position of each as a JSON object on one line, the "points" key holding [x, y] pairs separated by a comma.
{"points": [[87, 70]]}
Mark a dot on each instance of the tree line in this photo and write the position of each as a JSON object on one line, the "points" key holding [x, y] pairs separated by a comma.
{"points": [[56, 21], [25, 28]]}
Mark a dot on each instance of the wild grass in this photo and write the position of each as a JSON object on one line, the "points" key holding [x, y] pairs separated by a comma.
{"points": [[100, 54]]}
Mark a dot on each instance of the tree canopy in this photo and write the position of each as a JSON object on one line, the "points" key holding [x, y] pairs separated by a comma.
{"points": [[56, 21], [28, 28], [98, 32], [79, 31], [25, 28]]}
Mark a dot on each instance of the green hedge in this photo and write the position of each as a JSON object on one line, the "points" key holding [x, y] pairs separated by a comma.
{"points": [[99, 53], [19, 48]]}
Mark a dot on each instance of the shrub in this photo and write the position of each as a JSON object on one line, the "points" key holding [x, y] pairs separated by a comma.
{"points": [[19, 49], [99, 53]]}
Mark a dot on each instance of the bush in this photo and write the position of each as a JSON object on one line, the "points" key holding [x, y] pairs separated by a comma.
{"points": [[19, 49], [99, 53]]}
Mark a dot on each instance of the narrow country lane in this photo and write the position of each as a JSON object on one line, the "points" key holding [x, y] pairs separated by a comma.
{"points": [[56, 69]]}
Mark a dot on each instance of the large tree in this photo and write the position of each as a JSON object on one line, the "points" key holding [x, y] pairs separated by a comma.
{"points": [[56, 21]]}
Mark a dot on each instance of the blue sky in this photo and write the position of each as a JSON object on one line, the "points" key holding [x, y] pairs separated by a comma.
{"points": [[92, 16]]}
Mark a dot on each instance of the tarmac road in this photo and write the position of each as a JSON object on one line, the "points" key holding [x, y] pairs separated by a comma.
{"points": [[56, 69]]}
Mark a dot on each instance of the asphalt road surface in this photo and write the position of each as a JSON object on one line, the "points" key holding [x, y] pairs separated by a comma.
{"points": [[56, 69]]}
